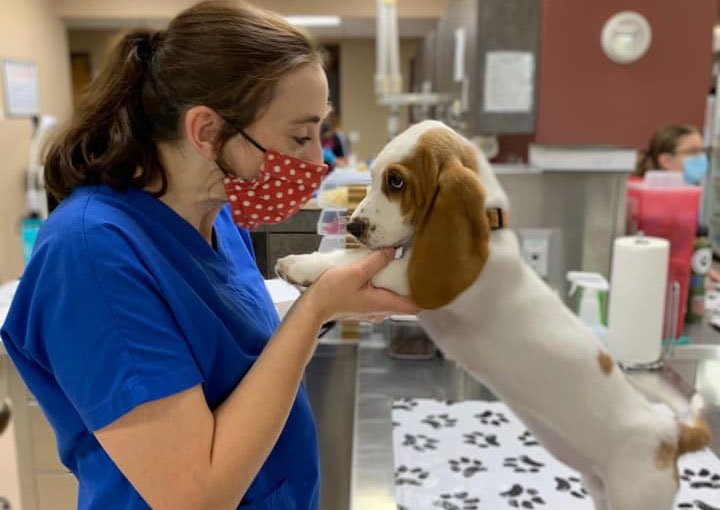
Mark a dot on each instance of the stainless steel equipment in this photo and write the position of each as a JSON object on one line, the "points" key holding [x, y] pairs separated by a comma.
{"points": [[580, 213], [331, 380], [459, 49]]}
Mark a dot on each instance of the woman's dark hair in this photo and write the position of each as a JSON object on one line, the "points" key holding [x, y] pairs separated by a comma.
{"points": [[227, 56], [663, 141]]}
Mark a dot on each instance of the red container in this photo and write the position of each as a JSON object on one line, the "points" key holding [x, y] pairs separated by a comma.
{"points": [[670, 213]]}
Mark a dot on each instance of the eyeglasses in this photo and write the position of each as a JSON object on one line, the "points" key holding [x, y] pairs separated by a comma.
{"points": [[692, 151]]}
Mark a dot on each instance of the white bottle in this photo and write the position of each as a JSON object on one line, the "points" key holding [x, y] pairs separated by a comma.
{"points": [[593, 299]]}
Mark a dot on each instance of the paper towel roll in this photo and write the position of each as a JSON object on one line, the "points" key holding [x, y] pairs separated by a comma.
{"points": [[637, 299]]}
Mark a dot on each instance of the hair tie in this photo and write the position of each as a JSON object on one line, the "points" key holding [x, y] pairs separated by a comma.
{"points": [[147, 45], [156, 40]]}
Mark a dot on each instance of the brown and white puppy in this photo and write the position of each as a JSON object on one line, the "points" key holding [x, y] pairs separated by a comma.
{"points": [[435, 194]]}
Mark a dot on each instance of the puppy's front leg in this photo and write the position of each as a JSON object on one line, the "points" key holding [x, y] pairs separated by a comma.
{"points": [[393, 277], [305, 269]]}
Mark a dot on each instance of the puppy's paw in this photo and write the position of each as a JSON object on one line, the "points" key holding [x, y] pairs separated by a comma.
{"points": [[300, 270]]}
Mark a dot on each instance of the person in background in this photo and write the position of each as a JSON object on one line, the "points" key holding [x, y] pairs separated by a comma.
{"points": [[142, 324], [676, 148], [333, 141]]}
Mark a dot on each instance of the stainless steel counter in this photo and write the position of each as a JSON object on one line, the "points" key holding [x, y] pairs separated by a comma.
{"points": [[381, 379]]}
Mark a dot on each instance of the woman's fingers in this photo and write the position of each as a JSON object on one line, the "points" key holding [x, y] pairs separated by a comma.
{"points": [[375, 262], [347, 291], [390, 303]]}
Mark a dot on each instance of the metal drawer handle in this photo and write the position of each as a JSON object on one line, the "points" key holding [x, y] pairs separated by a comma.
{"points": [[4, 416]]}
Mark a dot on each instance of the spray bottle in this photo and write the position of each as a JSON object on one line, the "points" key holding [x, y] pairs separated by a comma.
{"points": [[592, 300]]}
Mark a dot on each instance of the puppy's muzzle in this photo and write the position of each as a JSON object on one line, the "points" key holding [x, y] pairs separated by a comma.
{"points": [[358, 228]]}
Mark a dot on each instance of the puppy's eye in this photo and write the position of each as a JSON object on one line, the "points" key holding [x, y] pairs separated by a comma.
{"points": [[395, 182]]}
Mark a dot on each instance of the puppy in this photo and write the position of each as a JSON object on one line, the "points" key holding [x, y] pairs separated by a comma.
{"points": [[435, 195]]}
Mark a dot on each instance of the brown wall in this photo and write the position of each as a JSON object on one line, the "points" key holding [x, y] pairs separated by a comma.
{"points": [[583, 97], [29, 30]]}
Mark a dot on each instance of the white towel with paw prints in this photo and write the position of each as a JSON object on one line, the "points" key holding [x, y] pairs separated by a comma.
{"points": [[477, 455]]}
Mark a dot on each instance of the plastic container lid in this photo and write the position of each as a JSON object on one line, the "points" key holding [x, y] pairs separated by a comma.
{"points": [[663, 178]]}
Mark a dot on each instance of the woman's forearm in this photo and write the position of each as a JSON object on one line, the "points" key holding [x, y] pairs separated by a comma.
{"points": [[249, 422]]}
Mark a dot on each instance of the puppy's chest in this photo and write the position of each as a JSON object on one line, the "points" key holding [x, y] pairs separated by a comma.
{"points": [[457, 337]]}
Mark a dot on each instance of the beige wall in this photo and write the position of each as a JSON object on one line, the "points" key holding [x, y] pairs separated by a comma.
{"points": [[360, 111], [29, 30]]}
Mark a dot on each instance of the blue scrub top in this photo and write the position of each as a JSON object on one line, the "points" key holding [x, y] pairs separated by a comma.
{"points": [[124, 302]]}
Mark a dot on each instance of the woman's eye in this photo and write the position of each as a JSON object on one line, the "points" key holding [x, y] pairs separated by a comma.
{"points": [[302, 140], [395, 182]]}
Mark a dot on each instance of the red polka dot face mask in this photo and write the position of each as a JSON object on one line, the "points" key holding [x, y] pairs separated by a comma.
{"points": [[284, 184]]}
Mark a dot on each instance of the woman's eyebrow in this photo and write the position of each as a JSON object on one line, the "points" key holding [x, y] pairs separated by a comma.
{"points": [[312, 118]]}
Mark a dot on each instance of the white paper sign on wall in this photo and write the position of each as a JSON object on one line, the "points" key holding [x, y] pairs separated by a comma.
{"points": [[22, 90], [509, 81]]}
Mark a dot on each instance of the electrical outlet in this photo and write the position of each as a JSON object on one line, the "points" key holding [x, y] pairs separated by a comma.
{"points": [[535, 247]]}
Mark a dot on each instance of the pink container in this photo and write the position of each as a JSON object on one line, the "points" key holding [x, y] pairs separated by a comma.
{"points": [[670, 213]]}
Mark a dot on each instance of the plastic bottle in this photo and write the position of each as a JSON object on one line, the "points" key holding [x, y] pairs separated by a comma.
{"points": [[592, 300], [700, 267]]}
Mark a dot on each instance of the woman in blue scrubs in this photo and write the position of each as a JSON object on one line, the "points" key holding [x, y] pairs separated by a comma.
{"points": [[141, 323]]}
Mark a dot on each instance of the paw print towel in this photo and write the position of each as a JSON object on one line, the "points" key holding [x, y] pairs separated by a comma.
{"points": [[477, 455]]}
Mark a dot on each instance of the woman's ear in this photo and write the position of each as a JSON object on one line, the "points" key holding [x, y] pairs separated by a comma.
{"points": [[451, 244], [202, 126]]}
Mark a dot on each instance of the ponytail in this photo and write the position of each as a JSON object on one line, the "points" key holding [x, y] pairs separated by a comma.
{"points": [[227, 56], [109, 140], [644, 163]]}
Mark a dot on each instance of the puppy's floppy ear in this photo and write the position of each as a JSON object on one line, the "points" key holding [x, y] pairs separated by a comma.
{"points": [[451, 243]]}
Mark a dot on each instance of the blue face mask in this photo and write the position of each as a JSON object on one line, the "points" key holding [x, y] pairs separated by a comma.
{"points": [[695, 168]]}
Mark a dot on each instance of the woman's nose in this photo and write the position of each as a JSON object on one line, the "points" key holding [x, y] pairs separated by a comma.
{"points": [[314, 151]]}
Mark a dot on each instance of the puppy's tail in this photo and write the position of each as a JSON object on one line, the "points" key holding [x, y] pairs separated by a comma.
{"points": [[693, 436], [694, 433], [693, 430]]}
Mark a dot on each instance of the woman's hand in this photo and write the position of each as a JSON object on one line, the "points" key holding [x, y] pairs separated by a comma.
{"points": [[347, 292]]}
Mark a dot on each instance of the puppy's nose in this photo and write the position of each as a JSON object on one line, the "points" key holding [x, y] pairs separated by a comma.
{"points": [[357, 228]]}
